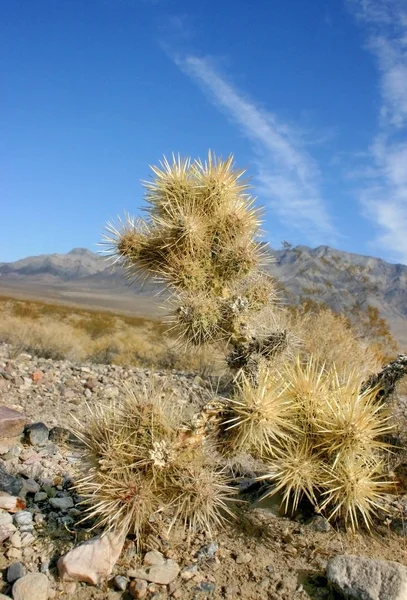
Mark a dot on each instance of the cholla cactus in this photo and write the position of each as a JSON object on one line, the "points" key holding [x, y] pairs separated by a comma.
{"points": [[201, 240], [144, 472], [334, 453], [318, 433]]}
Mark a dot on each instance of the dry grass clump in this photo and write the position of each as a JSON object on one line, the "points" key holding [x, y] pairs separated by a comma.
{"points": [[63, 332], [145, 472], [329, 338], [43, 337]]}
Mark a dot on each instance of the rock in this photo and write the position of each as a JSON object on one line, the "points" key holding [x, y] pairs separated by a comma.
{"points": [[15, 539], [208, 551], [153, 557], [162, 573], [205, 586], [62, 503], [15, 571], [6, 532], [30, 486], [138, 588], [366, 579], [14, 553], [37, 434], [34, 586], [243, 559], [59, 435], [5, 517], [11, 503], [120, 583], [40, 496], [189, 572], [36, 376], [23, 518], [92, 561], [8, 483], [12, 422], [27, 539], [9, 448], [319, 523]]}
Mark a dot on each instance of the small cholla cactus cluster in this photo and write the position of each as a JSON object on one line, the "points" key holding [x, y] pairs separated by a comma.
{"points": [[319, 436], [145, 472], [201, 240], [314, 429]]}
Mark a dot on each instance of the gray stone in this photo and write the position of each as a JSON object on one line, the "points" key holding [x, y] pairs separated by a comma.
{"points": [[34, 586], [15, 571], [37, 434], [23, 518], [30, 486], [8, 483], [62, 503], [11, 422], [366, 579], [319, 523], [40, 496], [162, 574], [208, 551], [205, 586], [120, 583]]}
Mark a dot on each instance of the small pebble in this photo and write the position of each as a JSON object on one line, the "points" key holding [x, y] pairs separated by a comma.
{"points": [[121, 583], [243, 559], [208, 551], [62, 503], [37, 434], [23, 518], [138, 588], [15, 571]]}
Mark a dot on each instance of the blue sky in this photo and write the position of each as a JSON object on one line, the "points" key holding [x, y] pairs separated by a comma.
{"points": [[311, 97]]}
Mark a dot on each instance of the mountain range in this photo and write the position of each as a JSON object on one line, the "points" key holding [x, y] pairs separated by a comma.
{"points": [[323, 274]]}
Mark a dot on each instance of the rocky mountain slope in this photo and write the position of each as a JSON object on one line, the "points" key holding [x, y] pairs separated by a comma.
{"points": [[340, 279]]}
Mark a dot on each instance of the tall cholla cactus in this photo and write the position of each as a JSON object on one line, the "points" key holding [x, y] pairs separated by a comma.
{"points": [[201, 240]]}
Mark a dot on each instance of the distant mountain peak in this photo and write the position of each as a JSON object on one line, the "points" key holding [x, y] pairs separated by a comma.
{"points": [[80, 251]]}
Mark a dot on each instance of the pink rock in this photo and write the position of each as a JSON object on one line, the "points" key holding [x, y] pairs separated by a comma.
{"points": [[11, 422], [92, 561], [11, 503]]}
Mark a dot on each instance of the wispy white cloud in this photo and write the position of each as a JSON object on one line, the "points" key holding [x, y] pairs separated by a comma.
{"points": [[385, 194], [287, 176]]}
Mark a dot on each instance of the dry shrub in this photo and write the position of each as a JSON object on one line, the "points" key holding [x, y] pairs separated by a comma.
{"points": [[330, 340], [43, 337]]}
